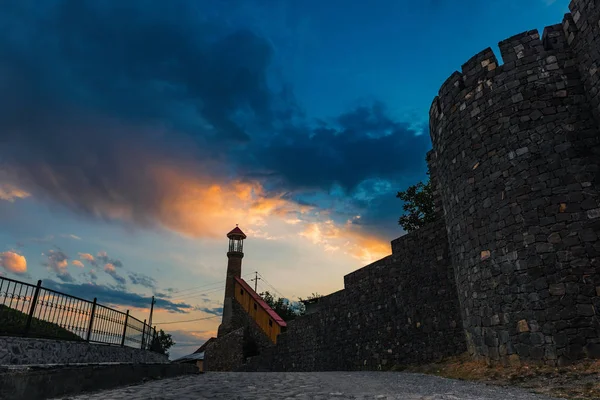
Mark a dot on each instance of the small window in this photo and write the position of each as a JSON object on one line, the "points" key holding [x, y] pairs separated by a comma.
{"points": [[270, 322], [255, 306], [242, 292]]}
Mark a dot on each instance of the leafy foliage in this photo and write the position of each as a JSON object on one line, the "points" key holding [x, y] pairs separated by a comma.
{"points": [[418, 205], [311, 297], [283, 307], [162, 342]]}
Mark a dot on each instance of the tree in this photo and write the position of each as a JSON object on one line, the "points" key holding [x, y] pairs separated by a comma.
{"points": [[418, 205], [162, 342], [310, 297], [283, 307]]}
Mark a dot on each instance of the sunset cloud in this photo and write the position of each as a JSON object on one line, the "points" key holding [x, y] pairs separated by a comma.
{"points": [[112, 271], [103, 258], [77, 263], [197, 207], [13, 262], [10, 193], [86, 257], [57, 261], [348, 239]]}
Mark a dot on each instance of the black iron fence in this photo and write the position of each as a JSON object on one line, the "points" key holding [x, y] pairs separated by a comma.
{"points": [[36, 311]]}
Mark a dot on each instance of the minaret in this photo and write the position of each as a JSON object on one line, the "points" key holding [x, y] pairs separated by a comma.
{"points": [[234, 269]]}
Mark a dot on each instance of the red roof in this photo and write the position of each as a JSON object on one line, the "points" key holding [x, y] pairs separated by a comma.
{"points": [[237, 232], [278, 320]]}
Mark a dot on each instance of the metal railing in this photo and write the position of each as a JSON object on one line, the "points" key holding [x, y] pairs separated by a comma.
{"points": [[36, 311]]}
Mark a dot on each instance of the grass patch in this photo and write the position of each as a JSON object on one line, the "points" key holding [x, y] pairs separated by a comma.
{"points": [[13, 322], [578, 381]]}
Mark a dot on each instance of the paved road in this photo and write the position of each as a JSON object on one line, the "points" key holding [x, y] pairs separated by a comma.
{"points": [[313, 385]]}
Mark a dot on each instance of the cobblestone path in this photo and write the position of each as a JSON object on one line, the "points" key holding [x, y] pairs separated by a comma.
{"points": [[310, 385]]}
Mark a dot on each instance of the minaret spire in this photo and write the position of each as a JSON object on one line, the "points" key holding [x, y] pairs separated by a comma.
{"points": [[235, 254]]}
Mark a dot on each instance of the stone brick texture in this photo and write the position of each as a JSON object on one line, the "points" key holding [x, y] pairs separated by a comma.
{"points": [[401, 309], [27, 351], [244, 340], [582, 30], [226, 353], [516, 149]]}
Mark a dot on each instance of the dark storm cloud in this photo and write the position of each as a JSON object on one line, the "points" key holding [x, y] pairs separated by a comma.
{"points": [[107, 295], [94, 94], [362, 144]]}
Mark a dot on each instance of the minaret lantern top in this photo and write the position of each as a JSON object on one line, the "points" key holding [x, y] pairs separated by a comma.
{"points": [[236, 240]]}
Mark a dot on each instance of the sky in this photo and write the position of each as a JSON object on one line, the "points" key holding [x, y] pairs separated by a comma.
{"points": [[134, 135]]}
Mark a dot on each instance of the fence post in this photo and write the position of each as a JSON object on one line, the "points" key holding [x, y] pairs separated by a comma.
{"points": [[32, 308], [89, 333], [125, 329], [143, 333]]}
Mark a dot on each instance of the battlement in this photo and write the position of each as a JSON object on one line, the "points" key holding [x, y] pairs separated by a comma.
{"points": [[512, 146], [525, 57]]}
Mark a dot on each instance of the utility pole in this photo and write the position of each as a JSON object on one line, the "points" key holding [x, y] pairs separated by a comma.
{"points": [[256, 278], [151, 310]]}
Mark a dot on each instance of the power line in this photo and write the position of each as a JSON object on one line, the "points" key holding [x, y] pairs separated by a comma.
{"points": [[199, 294], [189, 320], [197, 287], [205, 285], [272, 287]]}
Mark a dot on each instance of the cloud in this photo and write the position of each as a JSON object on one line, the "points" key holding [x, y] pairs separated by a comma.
{"points": [[361, 144], [13, 262], [87, 257], [111, 270], [91, 274], [112, 296], [218, 311], [56, 260], [9, 192], [71, 236], [103, 258], [184, 90], [142, 280], [175, 124], [65, 276], [347, 239], [77, 263]]}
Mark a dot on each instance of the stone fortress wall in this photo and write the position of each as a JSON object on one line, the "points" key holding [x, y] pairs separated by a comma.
{"points": [[400, 309], [517, 153], [511, 270]]}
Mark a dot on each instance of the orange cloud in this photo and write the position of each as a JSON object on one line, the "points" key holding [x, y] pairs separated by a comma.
{"points": [[109, 268], [347, 238], [199, 208], [77, 263], [10, 192], [86, 257], [13, 262]]}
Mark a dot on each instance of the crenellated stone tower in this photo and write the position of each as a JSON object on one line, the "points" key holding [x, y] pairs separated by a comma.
{"points": [[235, 254], [516, 150]]}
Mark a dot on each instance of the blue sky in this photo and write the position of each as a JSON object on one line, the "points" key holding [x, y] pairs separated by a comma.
{"points": [[134, 137]]}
